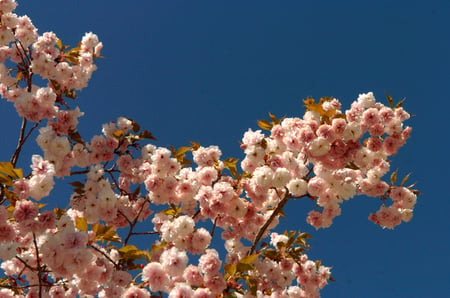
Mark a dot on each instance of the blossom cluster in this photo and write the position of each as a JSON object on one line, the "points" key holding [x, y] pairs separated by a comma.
{"points": [[88, 248]]}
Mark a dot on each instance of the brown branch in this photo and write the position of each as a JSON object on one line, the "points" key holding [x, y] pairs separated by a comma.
{"points": [[105, 255], [22, 140], [268, 222], [214, 226], [39, 273], [133, 224]]}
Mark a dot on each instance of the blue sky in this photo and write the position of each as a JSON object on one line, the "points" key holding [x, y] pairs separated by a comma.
{"points": [[206, 71]]}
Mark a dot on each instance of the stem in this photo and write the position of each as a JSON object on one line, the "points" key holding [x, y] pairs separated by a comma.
{"points": [[105, 255], [214, 226], [268, 222], [144, 233], [133, 224], [22, 140], [38, 265]]}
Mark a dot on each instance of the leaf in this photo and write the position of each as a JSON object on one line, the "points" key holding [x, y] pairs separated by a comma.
{"points": [[249, 259], [105, 233], [400, 103], [390, 100], [241, 267], [8, 168], [273, 118], [180, 153], [252, 285], [59, 212], [10, 196], [230, 270], [76, 184], [394, 177], [118, 133], [5, 180], [230, 164], [59, 44], [405, 179], [132, 253], [76, 137], [173, 211], [271, 254], [312, 106], [158, 247], [81, 224], [136, 126], [195, 146], [70, 93], [264, 124], [145, 134]]}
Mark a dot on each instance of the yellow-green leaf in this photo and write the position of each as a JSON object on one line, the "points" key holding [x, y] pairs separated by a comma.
{"points": [[59, 44], [241, 267], [230, 164], [5, 180], [131, 253], [229, 269], [105, 233], [249, 259], [173, 211], [7, 168], [81, 224]]}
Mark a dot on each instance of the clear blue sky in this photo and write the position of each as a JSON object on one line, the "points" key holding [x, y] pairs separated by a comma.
{"points": [[205, 71]]}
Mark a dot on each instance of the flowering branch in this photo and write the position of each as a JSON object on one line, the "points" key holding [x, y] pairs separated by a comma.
{"points": [[263, 229]]}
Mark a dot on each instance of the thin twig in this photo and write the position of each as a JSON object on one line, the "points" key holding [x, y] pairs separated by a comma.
{"points": [[268, 222], [22, 140], [38, 265], [105, 255]]}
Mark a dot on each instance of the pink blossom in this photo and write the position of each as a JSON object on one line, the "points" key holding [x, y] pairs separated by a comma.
{"points": [[210, 262], [135, 292], [154, 274]]}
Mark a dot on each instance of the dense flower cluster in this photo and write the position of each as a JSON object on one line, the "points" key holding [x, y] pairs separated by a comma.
{"points": [[329, 156]]}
